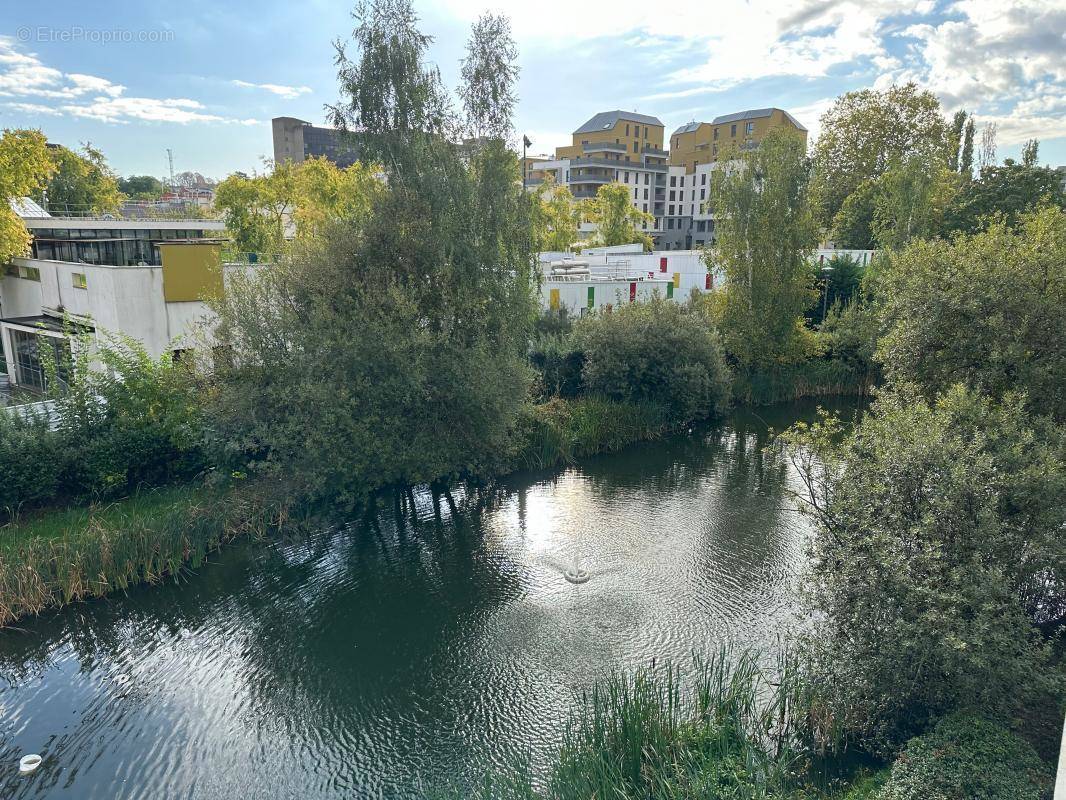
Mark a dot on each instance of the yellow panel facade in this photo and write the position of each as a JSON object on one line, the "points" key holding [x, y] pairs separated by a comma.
{"points": [[191, 271], [709, 142], [634, 136]]}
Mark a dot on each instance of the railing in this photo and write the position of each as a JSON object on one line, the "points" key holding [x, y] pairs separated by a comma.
{"points": [[183, 211], [615, 147]]}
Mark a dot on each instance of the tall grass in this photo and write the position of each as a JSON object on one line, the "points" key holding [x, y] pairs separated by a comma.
{"points": [[813, 378], [732, 730], [68, 556]]}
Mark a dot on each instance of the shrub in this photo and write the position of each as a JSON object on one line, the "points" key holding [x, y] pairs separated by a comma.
{"points": [[938, 552], [658, 352], [31, 458], [966, 757]]}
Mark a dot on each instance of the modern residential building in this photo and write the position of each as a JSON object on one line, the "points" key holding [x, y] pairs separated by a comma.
{"points": [[147, 279], [699, 143], [297, 140], [613, 147]]}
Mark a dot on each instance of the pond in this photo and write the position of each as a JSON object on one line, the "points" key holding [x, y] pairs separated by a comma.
{"points": [[419, 648]]}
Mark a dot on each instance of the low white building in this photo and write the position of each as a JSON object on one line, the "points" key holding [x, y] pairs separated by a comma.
{"points": [[147, 279]]}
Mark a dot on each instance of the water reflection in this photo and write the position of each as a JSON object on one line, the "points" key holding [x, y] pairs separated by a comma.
{"points": [[427, 642]]}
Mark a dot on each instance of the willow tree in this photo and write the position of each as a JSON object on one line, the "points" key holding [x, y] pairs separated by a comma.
{"points": [[765, 234], [389, 349], [616, 219]]}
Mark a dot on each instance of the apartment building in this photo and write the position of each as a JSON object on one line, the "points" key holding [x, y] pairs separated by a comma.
{"points": [[613, 147], [297, 140], [699, 143]]}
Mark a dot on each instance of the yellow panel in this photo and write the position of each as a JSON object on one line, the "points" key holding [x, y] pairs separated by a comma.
{"points": [[553, 301], [677, 280], [191, 272]]}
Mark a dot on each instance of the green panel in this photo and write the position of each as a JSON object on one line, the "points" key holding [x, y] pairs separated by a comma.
{"points": [[669, 290], [592, 297]]}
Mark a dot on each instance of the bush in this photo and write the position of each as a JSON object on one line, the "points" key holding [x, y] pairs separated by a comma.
{"points": [[966, 757], [938, 553], [658, 352], [31, 458]]}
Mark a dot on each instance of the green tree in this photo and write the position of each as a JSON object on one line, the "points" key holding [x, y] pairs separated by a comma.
{"points": [[558, 217], [966, 154], [864, 132], [987, 310], [910, 202], [938, 551], [766, 232], [141, 187], [658, 352], [1007, 192], [616, 219], [25, 166], [390, 347], [82, 183], [1029, 152], [490, 74], [958, 122], [853, 223]]}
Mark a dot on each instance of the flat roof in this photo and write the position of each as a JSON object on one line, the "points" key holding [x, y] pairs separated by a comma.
{"points": [[49, 323]]}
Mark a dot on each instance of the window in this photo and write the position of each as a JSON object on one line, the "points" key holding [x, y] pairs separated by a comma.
{"points": [[636, 146], [672, 195], [714, 151], [749, 128], [635, 193], [703, 194], [30, 273], [670, 223], [645, 131], [646, 176], [30, 370], [645, 208], [627, 130], [627, 176], [645, 197], [673, 180], [733, 130], [703, 179], [671, 211], [77, 279], [716, 134]]}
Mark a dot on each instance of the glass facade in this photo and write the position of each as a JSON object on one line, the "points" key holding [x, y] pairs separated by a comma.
{"points": [[109, 246], [30, 370]]}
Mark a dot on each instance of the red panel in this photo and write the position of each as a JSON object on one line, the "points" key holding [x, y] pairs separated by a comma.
{"points": [[709, 282], [662, 264], [633, 292]]}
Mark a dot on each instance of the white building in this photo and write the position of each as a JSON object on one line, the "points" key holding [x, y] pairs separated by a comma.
{"points": [[147, 279]]}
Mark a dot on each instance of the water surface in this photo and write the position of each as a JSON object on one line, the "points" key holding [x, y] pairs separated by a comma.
{"points": [[418, 648]]}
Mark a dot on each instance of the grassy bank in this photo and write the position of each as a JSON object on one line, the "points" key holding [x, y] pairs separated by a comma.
{"points": [[61, 556]]}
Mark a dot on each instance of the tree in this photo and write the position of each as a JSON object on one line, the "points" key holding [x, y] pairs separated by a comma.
{"points": [[987, 154], [25, 166], [958, 122], [766, 232], [141, 187], [558, 217], [490, 73], [616, 218], [966, 156], [853, 223], [1029, 152], [389, 349], [910, 202], [987, 310], [864, 132], [254, 224], [937, 552], [1006, 192], [82, 183]]}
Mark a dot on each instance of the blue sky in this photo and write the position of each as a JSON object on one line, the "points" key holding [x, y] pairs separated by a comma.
{"points": [[204, 78]]}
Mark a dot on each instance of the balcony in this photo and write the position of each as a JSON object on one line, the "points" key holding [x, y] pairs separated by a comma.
{"points": [[613, 147], [648, 150]]}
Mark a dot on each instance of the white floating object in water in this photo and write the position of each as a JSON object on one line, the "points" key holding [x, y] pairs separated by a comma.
{"points": [[28, 764], [577, 575]]}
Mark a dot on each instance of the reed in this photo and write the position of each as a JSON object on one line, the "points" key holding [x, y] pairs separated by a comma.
{"points": [[63, 557], [813, 378]]}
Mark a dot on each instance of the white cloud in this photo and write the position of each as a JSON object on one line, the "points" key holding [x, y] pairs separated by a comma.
{"points": [[76, 94], [286, 92]]}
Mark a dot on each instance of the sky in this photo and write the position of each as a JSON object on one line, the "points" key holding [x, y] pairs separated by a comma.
{"points": [[203, 78]]}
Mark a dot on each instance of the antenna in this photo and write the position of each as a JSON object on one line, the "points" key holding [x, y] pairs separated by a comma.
{"points": [[170, 162]]}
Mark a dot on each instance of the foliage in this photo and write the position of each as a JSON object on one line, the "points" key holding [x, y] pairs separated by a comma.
{"points": [[557, 217], [31, 460], [955, 140], [1030, 151], [938, 550], [765, 232], [616, 219], [966, 155], [141, 187], [987, 310], [911, 202], [490, 73], [966, 757], [852, 226], [813, 377], [558, 364], [864, 132], [839, 279], [25, 166], [390, 348], [1008, 192], [82, 182], [658, 352], [304, 197]]}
